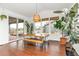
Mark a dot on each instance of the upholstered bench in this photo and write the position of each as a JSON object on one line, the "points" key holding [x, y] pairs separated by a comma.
{"points": [[34, 40]]}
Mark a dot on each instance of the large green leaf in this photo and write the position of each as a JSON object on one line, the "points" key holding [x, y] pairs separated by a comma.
{"points": [[73, 10]]}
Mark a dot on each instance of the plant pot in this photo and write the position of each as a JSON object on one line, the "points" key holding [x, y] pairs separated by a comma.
{"points": [[63, 40]]}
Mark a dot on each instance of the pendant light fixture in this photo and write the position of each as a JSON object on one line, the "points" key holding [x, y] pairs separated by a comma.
{"points": [[36, 16]]}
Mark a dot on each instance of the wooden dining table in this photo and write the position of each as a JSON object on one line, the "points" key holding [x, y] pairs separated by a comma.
{"points": [[35, 40]]}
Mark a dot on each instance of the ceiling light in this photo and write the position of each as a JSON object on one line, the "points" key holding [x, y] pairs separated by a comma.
{"points": [[58, 11], [36, 16]]}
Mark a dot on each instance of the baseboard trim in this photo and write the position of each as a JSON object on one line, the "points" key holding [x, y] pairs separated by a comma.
{"points": [[10, 42]]}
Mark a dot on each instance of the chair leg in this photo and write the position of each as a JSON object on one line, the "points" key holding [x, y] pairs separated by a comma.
{"points": [[41, 45]]}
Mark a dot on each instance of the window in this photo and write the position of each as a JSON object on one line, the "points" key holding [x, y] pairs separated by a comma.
{"points": [[41, 27]]}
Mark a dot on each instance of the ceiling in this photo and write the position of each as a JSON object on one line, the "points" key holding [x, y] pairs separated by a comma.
{"points": [[28, 9]]}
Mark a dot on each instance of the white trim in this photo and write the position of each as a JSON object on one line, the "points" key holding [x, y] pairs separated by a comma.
{"points": [[11, 41]]}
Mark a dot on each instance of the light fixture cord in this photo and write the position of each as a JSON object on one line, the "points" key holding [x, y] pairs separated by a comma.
{"points": [[36, 8]]}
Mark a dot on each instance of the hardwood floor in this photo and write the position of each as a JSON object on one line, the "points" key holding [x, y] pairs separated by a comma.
{"points": [[18, 49]]}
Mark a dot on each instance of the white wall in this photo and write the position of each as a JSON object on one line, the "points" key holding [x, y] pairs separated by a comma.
{"points": [[4, 31]]}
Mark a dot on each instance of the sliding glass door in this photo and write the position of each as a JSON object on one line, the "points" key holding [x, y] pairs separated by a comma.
{"points": [[16, 28], [20, 28], [12, 28]]}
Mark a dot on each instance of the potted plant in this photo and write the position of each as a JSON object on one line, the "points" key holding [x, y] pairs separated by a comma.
{"points": [[71, 15], [31, 28], [28, 27], [60, 24], [3, 17], [68, 26]]}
